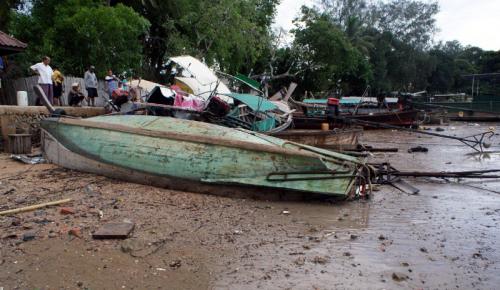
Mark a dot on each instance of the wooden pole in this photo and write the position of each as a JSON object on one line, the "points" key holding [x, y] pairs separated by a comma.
{"points": [[33, 207]]}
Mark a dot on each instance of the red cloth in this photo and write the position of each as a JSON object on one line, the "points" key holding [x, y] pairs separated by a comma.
{"points": [[118, 93]]}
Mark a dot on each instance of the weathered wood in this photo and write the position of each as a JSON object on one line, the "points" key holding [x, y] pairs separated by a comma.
{"points": [[114, 231], [34, 207], [27, 119], [331, 139], [20, 143], [8, 127], [32, 110], [43, 98]]}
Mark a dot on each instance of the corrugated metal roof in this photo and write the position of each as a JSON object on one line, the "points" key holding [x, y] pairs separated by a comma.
{"points": [[7, 41]]}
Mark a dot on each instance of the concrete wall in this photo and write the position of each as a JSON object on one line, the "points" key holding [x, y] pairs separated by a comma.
{"points": [[14, 119]]}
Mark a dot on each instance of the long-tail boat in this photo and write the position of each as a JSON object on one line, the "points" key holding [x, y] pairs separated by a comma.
{"points": [[311, 114], [191, 155]]}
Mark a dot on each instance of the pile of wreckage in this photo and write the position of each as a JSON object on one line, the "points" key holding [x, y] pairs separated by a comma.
{"points": [[205, 134]]}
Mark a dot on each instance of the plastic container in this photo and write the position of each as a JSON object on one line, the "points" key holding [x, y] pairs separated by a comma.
{"points": [[22, 98]]}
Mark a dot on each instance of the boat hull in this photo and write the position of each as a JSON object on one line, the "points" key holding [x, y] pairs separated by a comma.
{"points": [[331, 139], [138, 149], [404, 119]]}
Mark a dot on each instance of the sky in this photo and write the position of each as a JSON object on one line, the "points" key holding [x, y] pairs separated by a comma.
{"points": [[472, 22]]}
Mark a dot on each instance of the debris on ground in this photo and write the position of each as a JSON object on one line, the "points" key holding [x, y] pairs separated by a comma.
{"points": [[175, 264], [114, 231], [28, 236], [320, 260], [398, 277], [76, 232], [37, 159], [300, 261], [418, 149], [67, 210], [33, 207]]}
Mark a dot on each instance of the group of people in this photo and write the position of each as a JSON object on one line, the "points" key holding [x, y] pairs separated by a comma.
{"points": [[52, 83]]}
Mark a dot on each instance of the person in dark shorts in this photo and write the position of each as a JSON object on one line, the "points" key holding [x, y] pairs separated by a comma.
{"points": [[91, 85], [57, 80]]}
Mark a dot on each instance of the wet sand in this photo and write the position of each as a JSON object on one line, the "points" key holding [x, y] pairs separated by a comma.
{"points": [[446, 237]]}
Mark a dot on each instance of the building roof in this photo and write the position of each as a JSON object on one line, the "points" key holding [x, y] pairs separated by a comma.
{"points": [[9, 44]]}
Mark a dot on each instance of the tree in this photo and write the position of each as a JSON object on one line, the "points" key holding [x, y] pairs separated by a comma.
{"points": [[326, 55], [231, 33], [83, 33], [6, 7], [107, 37], [344, 11], [392, 35], [357, 35], [234, 34], [411, 21]]}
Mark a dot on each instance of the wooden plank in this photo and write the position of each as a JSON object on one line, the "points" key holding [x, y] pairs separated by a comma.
{"points": [[8, 127], [114, 231], [36, 110], [20, 143], [33, 207]]}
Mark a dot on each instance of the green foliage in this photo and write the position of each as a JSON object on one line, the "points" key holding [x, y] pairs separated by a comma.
{"points": [[233, 34], [340, 46], [107, 37], [410, 21], [327, 56], [83, 33], [6, 8]]}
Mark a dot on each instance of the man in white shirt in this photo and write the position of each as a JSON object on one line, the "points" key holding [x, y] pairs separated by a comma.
{"points": [[90, 80], [44, 72]]}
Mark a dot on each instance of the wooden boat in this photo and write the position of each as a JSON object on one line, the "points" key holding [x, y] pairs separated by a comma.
{"points": [[311, 115], [190, 155], [337, 139], [396, 118]]}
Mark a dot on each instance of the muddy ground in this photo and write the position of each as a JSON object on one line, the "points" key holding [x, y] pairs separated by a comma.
{"points": [[446, 237]]}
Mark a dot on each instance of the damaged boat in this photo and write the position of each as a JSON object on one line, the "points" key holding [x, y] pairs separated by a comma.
{"points": [[336, 139], [312, 113], [189, 155], [198, 94]]}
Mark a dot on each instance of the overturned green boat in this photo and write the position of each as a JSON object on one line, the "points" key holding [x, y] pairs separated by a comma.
{"points": [[196, 156]]}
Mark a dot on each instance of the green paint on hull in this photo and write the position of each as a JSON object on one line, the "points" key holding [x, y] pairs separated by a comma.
{"points": [[201, 161]]}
